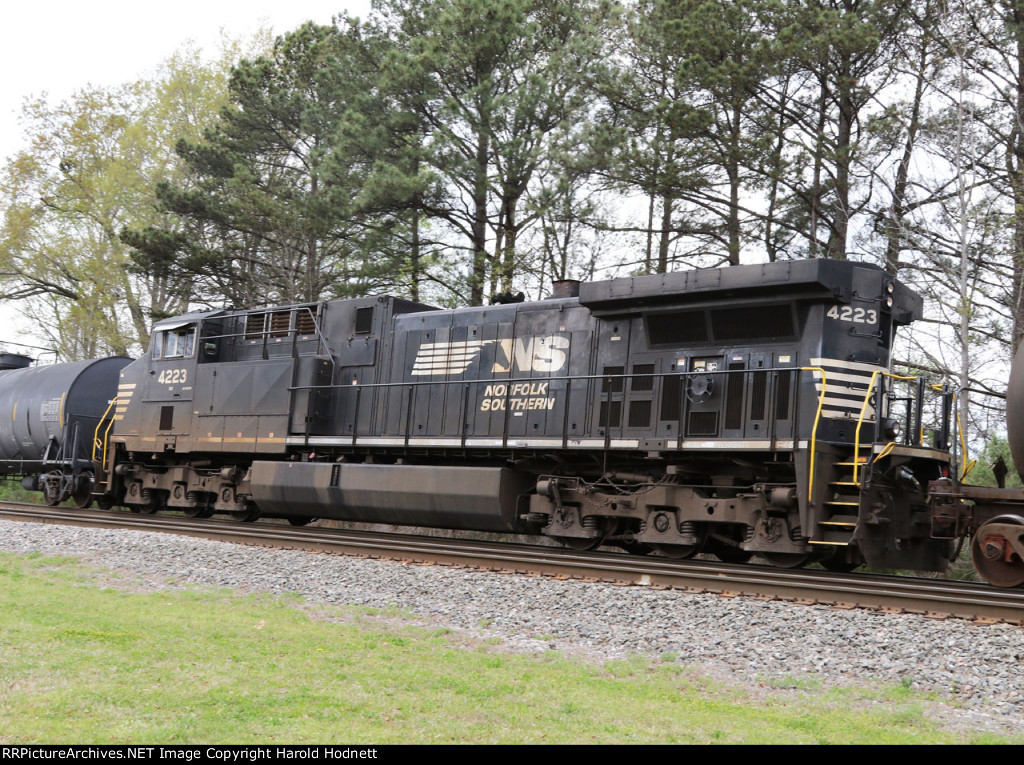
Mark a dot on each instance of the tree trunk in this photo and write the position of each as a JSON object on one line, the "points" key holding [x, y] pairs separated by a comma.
{"points": [[478, 277]]}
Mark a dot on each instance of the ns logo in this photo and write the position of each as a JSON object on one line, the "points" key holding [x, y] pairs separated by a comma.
{"points": [[533, 353]]}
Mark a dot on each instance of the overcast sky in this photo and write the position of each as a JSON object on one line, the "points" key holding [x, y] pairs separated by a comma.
{"points": [[57, 46]]}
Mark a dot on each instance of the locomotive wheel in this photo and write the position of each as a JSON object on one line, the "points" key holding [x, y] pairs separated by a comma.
{"points": [[788, 560], [606, 529], [157, 502], [82, 493], [682, 552], [581, 544], [676, 552], [994, 556]]}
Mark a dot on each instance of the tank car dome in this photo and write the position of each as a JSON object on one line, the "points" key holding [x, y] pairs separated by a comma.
{"points": [[14, 361]]}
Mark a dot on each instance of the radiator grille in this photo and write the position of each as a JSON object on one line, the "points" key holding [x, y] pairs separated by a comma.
{"points": [[616, 414], [614, 385], [702, 424], [642, 383], [639, 414]]}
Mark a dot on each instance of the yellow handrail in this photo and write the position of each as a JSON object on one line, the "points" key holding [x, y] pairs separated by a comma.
{"points": [[968, 463], [96, 441], [860, 419], [886, 451], [814, 430]]}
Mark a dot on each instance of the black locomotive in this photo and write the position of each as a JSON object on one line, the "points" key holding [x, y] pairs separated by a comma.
{"points": [[726, 411]]}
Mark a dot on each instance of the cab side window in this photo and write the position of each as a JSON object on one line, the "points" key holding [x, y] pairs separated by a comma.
{"points": [[174, 343]]}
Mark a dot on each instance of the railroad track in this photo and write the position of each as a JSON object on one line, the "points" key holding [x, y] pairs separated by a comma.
{"points": [[938, 598]]}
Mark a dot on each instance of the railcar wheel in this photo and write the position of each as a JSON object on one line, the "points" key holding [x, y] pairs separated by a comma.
{"points": [[788, 560], [684, 551], [300, 520], [248, 515], [581, 544], [676, 552], [993, 553], [604, 528], [82, 492], [53, 488], [105, 502]]}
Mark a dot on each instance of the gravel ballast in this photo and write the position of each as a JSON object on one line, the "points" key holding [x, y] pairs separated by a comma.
{"points": [[979, 668]]}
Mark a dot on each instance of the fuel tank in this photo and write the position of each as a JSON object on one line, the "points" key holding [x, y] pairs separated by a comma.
{"points": [[42, 407]]}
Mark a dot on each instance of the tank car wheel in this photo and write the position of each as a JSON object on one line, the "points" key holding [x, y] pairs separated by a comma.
{"points": [[82, 492], [53, 488], [301, 520], [994, 556]]}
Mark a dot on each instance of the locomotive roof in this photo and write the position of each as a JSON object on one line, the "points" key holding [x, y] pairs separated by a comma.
{"points": [[185, 318], [822, 277]]}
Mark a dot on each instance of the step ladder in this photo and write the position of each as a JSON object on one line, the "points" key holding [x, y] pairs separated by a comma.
{"points": [[841, 510]]}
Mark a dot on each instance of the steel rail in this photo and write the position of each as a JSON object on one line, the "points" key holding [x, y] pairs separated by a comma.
{"points": [[932, 597]]}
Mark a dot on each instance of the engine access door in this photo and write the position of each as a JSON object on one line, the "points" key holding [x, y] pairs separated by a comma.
{"points": [[704, 391]]}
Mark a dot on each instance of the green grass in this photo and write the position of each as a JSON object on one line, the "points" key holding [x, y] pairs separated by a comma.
{"points": [[84, 663], [12, 491]]}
